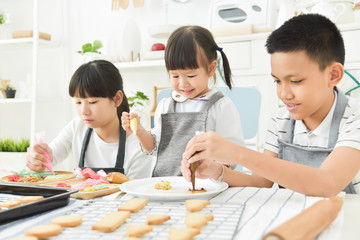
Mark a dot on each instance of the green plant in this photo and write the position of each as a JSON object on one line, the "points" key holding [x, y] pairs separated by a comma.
{"points": [[88, 47], [10, 88], [2, 18], [139, 99], [10, 145]]}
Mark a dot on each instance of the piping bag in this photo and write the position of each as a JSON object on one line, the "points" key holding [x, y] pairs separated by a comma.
{"points": [[193, 166], [40, 139]]}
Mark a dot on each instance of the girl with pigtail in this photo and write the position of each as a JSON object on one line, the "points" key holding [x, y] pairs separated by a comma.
{"points": [[191, 61]]}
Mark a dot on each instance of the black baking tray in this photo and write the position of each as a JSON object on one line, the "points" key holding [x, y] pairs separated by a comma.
{"points": [[53, 198]]}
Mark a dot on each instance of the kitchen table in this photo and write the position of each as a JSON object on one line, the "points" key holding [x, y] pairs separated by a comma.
{"points": [[265, 208]]}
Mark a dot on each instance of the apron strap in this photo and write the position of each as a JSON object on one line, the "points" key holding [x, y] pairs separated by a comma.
{"points": [[84, 147], [213, 99], [335, 123], [119, 165], [337, 116], [121, 150]]}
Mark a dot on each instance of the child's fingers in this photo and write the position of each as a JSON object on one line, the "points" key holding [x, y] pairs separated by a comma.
{"points": [[185, 170], [34, 166], [125, 114], [133, 115]]}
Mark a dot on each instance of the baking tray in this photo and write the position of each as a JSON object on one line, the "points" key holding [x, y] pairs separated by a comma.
{"points": [[113, 188], [53, 198]]}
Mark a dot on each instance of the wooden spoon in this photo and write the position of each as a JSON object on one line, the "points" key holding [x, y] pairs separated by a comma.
{"points": [[138, 3]]}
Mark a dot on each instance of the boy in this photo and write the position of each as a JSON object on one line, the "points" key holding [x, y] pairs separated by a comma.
{"points": [[312, 144]]}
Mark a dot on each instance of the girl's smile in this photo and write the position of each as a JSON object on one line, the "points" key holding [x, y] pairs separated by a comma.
{"points": [[187, 92]]}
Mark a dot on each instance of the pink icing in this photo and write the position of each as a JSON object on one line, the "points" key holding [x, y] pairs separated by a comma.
{"points": [[79, 187], [91, 182]]}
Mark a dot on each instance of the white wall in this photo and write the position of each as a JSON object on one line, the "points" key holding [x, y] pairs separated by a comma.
{"points": [[71, 24]]}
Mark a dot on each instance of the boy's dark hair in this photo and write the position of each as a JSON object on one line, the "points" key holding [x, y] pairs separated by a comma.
{"points": [[98, 78], [312, 33], [189, 42]]}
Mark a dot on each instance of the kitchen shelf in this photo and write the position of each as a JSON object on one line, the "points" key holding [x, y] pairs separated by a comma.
{"points": [[9, 44], [16, 100], [141, 64]]}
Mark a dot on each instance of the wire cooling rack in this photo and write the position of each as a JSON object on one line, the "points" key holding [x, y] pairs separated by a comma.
{"points": [[226, 220]]}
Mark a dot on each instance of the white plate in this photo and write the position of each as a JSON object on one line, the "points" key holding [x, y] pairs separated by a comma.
{"points": [[145, 188]]}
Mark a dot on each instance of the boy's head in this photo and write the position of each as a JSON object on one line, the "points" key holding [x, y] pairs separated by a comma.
{"points": [[314, 34]]}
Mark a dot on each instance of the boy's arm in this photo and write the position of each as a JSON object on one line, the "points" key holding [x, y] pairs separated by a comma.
{"points": [[336, 172]]}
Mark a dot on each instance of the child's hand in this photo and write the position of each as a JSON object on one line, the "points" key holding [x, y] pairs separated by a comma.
{"points": [[125, 120], [35, 157], [206, 169], [210, 146]]}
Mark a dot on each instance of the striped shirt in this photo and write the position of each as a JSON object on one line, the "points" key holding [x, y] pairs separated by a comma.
{"points": [[349, 131]]}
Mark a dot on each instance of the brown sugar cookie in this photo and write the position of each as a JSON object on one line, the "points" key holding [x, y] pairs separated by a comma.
{"points": [[27, 199], [44, 231], [197, 220], [67, 221], [183, 233], [111, 221], [24, 238], [10, 203], [117, 177], [194, 205], [138, 230], [155, 219], [133, 205], [196, 191]]}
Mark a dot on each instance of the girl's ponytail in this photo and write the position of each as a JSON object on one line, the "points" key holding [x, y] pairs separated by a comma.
{"points": [[124, 106], [226, 67]]}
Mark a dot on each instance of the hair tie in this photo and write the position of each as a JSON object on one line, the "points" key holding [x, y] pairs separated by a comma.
{"points": [[219, 49]]}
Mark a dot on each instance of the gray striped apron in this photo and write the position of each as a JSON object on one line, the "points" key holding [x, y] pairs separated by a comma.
{"points": [[177, 128], [310, 156]]}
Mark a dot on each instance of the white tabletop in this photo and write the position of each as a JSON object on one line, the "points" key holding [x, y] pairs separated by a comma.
{"points": [[264, 210], [351, 227]]}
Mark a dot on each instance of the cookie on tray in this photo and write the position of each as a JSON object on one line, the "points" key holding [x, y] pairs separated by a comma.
{"points": [[68, 220], [195, 205], [111, 221], [138, 230], [10, 203], [183, 233], [44, 231], [155, 219], [133, 205], [27, 199]]}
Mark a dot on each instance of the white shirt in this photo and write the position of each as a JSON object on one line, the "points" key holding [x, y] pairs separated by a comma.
{"points": [[100, 153], [349, 131], [223, 116]]}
